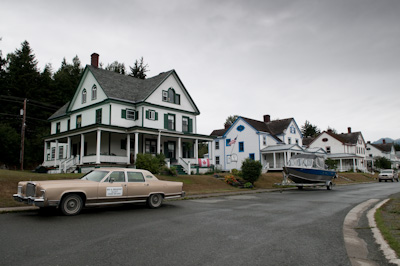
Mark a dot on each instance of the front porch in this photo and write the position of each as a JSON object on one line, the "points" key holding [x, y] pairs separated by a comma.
{"points": [[349, 162], [274, 158], [97, 146]]}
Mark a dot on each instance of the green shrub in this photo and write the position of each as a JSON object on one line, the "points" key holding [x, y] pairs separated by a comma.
{"points": [[169, 171], [248, 185], [251, 170], [236, 172], [149, 162]]}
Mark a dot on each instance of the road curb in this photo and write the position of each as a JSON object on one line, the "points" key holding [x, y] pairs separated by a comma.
{"points": [[389, 253]]}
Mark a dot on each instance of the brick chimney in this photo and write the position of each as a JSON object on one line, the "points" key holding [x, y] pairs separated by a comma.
{"points": [[267, 118], [95, 60], [383, 141], [349, 130]]}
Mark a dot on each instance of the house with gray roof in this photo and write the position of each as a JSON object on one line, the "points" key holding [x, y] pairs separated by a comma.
{"points": [[270, 142], [348, 149], [384, 149], [113, 117]]}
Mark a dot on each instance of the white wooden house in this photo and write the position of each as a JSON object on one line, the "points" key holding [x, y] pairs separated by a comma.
{"points": [[113, 117], [348, 149], [270, 142], [385, 150]]}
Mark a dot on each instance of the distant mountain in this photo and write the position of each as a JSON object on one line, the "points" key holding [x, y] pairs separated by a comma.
{"points": [[387, 140]]}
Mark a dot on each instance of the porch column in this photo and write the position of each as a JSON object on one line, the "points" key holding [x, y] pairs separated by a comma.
{"points": [[82, 149], [180, 147], [196, 150], [209, 148], [45, 151], [98, 141], [274, 159], [68, 147], [341, 166], [354, 165], [284, 158], [56, 154], [159, 143], [128, 148], [136, 145]]}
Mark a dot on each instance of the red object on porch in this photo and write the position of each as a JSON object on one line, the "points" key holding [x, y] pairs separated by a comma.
{"points": [[204, 162]]}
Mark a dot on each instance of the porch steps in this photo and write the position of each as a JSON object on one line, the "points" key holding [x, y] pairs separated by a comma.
{"points": [[180, 170]]}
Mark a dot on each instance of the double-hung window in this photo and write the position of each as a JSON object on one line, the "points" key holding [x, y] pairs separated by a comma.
{"points": [[169, 121], [78, 121], [130, 114], [84, 94], [94, 92], [98, 116], [217, 144], [241, 146]]}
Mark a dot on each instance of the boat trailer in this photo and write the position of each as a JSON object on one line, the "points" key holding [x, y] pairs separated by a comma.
{"points": [[286, 182]]}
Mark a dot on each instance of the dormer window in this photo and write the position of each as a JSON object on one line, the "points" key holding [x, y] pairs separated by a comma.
{"points": [[171, 97], [94, 92], [84, 93]]}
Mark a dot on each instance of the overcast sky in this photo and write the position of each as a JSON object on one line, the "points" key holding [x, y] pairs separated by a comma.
{"points": [[334, 63]]}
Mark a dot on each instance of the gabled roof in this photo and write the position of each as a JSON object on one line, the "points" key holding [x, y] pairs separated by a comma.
{"points": [[275, 127], [387, 147], [122, 87], [345, 138], [117, 86]]}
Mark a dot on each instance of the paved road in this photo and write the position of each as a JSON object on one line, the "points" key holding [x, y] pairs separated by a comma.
{"points": [[297, 227]]}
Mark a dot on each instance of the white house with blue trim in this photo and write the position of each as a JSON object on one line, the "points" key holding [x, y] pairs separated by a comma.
{"points": [[270, 142], [114, 117]]}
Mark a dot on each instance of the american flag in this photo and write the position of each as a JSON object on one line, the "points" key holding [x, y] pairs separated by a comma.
{"points": [[232, 141]]}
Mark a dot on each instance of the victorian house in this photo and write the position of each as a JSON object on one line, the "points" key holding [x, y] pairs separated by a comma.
{"points": [[114, 117]]}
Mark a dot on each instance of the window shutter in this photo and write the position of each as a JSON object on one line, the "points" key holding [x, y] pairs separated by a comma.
{"points": [[147, 114], [123, 113], [136, 115], [166, 121], [156, 116], [190, 127]]}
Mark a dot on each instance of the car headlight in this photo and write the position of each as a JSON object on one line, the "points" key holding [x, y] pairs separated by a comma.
{"points": [[43, 193]]}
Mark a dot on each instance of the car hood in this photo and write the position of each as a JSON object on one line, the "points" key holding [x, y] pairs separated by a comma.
{"points": [[64, 182]]}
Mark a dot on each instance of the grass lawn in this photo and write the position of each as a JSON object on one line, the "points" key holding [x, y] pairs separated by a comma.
{"points": [[388, 221], [193, 184]]}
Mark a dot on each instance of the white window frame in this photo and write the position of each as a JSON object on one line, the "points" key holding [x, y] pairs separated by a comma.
{"points": [[130, 114]]}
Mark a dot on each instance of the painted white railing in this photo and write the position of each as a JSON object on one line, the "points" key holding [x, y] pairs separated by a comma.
{"points": [[69, 163], [185, 165], [265, 168]]}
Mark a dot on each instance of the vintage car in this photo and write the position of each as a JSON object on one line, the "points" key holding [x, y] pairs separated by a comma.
{"points": [[388, 174], [99, 187]]}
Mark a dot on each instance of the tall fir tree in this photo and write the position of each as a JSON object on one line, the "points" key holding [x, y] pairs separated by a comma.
{"points": [[139, 69]]}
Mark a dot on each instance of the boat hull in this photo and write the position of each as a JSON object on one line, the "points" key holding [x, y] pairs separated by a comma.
{"points": [[308, 176]]}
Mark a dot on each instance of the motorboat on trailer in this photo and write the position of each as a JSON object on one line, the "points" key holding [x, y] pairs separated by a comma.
{"points": [[308, 170]]}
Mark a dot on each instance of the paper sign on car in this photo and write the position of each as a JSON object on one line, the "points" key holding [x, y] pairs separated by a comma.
{"points": [[114, 191]]}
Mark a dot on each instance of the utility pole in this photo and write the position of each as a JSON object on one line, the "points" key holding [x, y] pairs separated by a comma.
{"points": [[23, 113]]}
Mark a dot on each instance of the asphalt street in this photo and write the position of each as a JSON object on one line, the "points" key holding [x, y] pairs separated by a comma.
{"points": [[296, 227]]}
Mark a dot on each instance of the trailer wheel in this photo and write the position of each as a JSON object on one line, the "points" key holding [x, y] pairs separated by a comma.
{"points": [[329, 186]]}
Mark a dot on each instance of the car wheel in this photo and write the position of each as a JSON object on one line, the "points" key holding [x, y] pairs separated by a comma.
{"points": [[380, 180], [71, 204], [155, 200], [329, 186]]}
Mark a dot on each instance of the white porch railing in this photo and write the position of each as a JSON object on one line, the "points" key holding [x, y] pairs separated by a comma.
{"points": [[185, 165], [265, 168], [105, 159], [65, 165]]}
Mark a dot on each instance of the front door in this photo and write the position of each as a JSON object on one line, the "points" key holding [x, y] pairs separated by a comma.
{"points": [[170, 150]]}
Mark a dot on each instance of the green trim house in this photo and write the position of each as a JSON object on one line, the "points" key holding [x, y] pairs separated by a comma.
{"points": [[114, 117]]}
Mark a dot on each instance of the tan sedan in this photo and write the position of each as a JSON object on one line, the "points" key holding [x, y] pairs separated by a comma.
{"points": [[99, 187]]}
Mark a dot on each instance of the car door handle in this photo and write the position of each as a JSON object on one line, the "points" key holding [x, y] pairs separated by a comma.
{"points": [[146, 185]]}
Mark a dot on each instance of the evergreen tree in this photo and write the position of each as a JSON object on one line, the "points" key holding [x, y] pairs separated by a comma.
{"points": [[66, 81], [231, 119], [139, 69], [309, 130]]}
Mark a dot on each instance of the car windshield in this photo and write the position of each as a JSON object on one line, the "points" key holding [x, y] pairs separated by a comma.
{"points": [[386, 172], [96, 176]]}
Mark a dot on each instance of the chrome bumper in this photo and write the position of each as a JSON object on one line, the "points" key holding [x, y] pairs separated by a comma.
{"points": [[29, 200]]}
